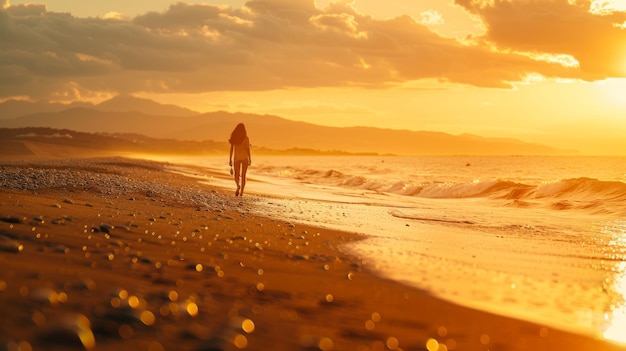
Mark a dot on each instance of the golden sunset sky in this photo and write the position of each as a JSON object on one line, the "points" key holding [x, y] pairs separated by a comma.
{"points": [[547, 71]]}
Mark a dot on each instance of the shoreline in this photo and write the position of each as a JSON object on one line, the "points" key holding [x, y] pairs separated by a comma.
{"points": [[113, 252]]}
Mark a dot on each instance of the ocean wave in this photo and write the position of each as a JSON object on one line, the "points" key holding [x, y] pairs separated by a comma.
{"points": [[585, 187], [574, 193], [565, 194]]}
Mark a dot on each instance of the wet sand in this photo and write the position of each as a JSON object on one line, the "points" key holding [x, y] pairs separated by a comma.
{"points": [[120, 254]]}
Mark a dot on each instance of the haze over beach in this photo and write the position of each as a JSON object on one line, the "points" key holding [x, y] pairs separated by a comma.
{"points": [[425, 175]]}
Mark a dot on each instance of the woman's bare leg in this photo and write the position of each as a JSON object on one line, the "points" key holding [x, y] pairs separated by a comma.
{"points": [[238, 167], [244, 171]]}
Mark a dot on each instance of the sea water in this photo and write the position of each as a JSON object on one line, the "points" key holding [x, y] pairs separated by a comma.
{"points": [[537, 238]]}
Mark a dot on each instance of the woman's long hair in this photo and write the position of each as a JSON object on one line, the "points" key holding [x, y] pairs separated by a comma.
{"points": [[238, 135]]}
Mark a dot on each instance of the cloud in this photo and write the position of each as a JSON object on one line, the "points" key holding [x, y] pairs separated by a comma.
{"points": [[431, 18], [558, 27], [279, 44]]}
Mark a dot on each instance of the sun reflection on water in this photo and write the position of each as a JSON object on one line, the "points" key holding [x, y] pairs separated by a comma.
{"points": [[616, 318]]}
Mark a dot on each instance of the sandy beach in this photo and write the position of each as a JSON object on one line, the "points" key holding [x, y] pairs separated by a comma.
{"points": [[125, 254]]}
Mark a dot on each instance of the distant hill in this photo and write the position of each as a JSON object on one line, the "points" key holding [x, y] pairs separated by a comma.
{"points": [[48, 142], [123, 103], [16, 108], [128, 115], [126, 103]]}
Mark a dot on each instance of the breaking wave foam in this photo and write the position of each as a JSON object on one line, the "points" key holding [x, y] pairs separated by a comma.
{"points": [[576, 193]]}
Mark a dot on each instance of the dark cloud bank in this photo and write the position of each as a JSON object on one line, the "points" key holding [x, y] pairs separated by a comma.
{"points": [[274, 44]]}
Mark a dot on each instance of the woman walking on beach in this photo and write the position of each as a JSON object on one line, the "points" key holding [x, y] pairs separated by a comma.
{"points": [[240, 148]]}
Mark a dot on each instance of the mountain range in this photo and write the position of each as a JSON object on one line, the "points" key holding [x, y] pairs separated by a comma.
{"points": [[131, 115]]}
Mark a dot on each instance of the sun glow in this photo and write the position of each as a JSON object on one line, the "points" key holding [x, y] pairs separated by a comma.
{"points": [[617, 317], [612, 91], [615, 331]]}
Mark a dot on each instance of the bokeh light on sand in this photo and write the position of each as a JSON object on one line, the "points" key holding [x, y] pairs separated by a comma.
{"points": [[326, 344], [126, 331], [147, 318], [329, 298], [240, 341], [370, 324], [155, 346], [191, 308], [82, 325], [248, 326], [133, 302], [392, 343], [432, 345]]}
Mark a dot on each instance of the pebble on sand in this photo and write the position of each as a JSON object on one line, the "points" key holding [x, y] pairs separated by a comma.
{"points": [[71, 330], [9, 242], [12, 220], [10, 245]]}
